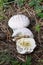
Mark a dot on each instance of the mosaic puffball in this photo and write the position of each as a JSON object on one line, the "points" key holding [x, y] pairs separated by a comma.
{"points": [[18, 21], [18, 24], [25, 45]]}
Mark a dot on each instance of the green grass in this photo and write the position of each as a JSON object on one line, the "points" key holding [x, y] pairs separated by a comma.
{"points": [[20, 3], [36, 4], [6, 57], [37, 27], [38, 8]]}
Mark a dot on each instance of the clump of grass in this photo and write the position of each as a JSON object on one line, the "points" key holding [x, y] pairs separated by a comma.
{"points": [[7, 58], [37, 28], [36, 4], [20, 3], [1, 8], [38, 8], [2, 3]]}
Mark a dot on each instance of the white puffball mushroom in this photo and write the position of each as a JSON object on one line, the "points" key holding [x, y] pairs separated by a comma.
{"points": [[18, 21], [22, 32], [25, 45]]}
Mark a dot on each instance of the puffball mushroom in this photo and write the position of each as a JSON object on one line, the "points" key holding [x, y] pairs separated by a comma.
{"points": [[25, 45], [18, 24], [22, 32], [18, 21]]}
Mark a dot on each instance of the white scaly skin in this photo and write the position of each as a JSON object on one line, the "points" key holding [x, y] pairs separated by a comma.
{"points": [[23, 49], [22, 32], [18, 21]]}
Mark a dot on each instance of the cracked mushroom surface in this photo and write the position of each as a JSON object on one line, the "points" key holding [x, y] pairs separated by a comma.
{"points": [[25, 45]]}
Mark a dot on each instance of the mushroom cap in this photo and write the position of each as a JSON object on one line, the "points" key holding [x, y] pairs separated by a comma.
{"points": [[18, 21], [22, 32], [25, 45]]}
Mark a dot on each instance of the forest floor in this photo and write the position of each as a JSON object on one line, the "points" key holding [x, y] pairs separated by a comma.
{"points": [[6, 43]]}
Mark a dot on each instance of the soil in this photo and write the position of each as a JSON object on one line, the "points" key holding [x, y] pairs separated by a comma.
{"points": [[6, 43]]}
